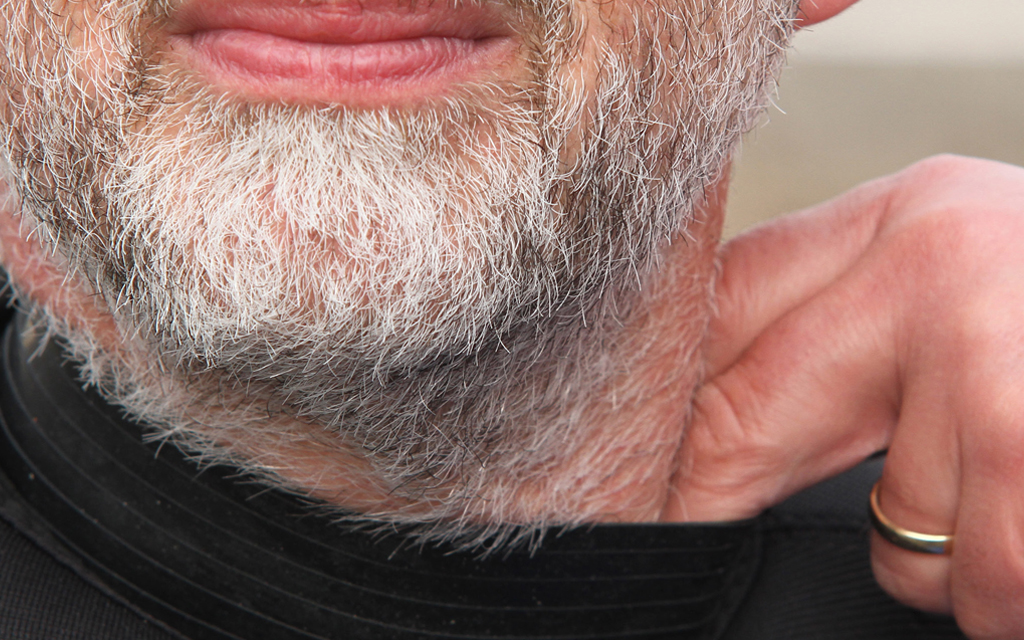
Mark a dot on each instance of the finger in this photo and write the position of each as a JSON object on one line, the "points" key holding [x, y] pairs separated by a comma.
{"points": [[771, 269], [919, 491], [956, 462], [956, 465], [920, 484], [987, 577], [988, 562], [813, 395], [775, 267]]}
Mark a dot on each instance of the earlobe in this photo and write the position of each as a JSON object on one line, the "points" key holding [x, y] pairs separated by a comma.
{"points": [[815, 11]]}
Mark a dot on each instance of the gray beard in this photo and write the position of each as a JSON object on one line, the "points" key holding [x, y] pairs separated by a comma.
{"points": [[366, 280]]}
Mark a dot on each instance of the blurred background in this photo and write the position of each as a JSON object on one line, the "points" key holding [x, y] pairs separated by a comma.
{"points": [[884, 84]]}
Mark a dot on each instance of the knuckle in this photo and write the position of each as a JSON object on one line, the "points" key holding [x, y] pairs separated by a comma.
{"points": [[937, 176], [945, 165], [945, 170], [966, 247], [957, 193]]}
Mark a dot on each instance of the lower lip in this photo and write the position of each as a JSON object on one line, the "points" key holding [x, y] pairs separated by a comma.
{"points": [[264, 66]]}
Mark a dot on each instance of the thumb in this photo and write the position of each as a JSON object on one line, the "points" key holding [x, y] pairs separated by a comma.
{"points": [[815, 394], [803, 386]]}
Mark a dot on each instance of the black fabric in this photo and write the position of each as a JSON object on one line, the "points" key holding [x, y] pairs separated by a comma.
{"points": [[67, 570], [41, 599], [816, 582], [212, 557]]}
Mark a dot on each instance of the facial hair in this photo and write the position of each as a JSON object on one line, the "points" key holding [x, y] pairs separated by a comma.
{"points": [[440, 289]]}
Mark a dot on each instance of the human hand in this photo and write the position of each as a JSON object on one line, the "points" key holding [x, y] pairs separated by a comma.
{"points": [[891, 317]]}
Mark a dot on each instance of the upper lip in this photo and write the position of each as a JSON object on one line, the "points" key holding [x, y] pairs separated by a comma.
{"points": [[345, 21]]}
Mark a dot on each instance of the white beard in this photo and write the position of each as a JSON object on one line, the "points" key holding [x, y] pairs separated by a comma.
{"points": [[439, 290]]}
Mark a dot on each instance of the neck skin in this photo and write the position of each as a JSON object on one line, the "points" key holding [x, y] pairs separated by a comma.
{"points": [[623, 470]]}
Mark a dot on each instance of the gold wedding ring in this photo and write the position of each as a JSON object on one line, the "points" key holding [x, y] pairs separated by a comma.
{"points": [[904, 538]]}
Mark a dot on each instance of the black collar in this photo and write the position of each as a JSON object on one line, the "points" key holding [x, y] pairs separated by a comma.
{"points": [[210, 556]]}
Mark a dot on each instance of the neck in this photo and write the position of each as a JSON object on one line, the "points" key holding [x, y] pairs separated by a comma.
{"points": [[617, 465], [209, 556]]}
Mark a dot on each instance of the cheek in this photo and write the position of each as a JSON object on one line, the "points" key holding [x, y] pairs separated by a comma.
{"points": [[98, 50], [581, 66], [628, 46]]}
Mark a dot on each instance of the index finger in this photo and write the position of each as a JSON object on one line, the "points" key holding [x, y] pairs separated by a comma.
{"points": [[772, 269]]}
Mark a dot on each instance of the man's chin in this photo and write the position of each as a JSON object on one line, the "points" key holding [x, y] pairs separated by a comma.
{"points": [[465, 332]]}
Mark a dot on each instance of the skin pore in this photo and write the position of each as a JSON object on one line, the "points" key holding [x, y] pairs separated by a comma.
{"points": [[483, 309]]}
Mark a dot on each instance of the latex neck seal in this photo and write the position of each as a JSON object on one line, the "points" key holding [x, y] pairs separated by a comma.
{"points": [[210, 556]]}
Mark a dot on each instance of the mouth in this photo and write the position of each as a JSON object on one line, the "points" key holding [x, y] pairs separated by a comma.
{"points": [[359, 53]]}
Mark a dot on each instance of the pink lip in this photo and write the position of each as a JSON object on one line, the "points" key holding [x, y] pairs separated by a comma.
{"points": [[362, 53]]}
